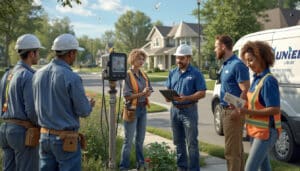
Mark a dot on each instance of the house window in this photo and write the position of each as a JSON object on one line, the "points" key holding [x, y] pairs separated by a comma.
{"points": [[156, 43], [171, 42], [185, 41]]}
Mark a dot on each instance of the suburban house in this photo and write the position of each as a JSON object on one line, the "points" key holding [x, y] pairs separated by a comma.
{"points": [[279, 18], [163, 41]]}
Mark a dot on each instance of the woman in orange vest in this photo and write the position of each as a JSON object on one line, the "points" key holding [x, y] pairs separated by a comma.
{"points": [[262, 114], [136, 91]]}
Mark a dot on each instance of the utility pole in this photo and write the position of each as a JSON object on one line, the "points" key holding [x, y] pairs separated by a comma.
{"points": [[199, 39], [112, 125]]}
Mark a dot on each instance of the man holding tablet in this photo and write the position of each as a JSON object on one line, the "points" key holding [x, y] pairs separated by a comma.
{"points": [[189, 84]]}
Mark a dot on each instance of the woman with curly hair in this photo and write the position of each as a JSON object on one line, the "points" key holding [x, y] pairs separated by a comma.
{"points": [[262, 115], [137, 89]]}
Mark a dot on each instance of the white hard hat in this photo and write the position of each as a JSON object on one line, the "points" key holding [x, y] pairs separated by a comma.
{"points": [[66, 42], [183, 50], [28, 41]]}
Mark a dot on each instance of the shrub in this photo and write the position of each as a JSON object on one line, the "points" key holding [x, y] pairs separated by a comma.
{"points": [[156, 69], [160, 157]]}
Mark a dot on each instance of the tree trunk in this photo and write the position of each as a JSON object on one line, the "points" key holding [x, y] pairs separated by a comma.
{"points": [[6, 49]]}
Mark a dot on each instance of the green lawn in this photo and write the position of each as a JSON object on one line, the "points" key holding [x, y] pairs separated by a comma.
{"points": [[218, 151], [210, 84]]}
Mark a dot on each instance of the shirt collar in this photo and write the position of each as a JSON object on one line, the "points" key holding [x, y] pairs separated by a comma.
{"points": [[262, 74], [62, 63], [187, 69], [229, 60], [23, 64]]}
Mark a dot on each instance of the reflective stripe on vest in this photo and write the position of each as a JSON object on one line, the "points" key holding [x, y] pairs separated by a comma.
{"points": [[258, 125], [135, 86]]}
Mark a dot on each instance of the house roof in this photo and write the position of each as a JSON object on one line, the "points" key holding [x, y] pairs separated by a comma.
{"points": [[184, 30], [163, 30], [173, 31], [278, 18]]}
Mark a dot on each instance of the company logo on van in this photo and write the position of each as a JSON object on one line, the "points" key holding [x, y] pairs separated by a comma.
{"points": [[288, 54]]}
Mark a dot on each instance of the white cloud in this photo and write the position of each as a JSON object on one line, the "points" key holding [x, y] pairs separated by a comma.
{"points": [[91, 30], [78, 9], [36, 3], [110, 5]]}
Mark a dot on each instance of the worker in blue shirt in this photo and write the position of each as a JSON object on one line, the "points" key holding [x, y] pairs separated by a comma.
{"points": [[234, 80], [18, 112], [189, 84], [60, 100]]}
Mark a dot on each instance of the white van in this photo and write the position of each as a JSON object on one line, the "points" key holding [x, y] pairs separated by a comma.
{"points": [[286, 45]]}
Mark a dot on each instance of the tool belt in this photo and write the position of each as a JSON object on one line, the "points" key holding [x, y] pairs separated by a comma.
{"points": [[128, 114], [70, 138], [32, 133]]}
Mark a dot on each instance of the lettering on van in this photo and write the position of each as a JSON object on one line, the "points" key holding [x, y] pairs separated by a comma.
{"points": [[288, 54]]}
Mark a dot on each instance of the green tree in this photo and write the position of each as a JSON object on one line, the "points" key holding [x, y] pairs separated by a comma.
{"points": [[109, 37], [91, 46], [233, 17], [68, 2], [132, 29], [16, 18], [51, 31], [158, 23]]}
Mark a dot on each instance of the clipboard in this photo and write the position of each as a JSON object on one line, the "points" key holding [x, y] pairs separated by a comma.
{"points": [[169, 94]]}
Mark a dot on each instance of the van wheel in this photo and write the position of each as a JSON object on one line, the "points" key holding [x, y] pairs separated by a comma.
{"points": [[218, 119], [285, 149]]}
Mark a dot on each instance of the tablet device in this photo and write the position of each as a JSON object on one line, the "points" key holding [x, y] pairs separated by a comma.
{"points": [[169, 94]]}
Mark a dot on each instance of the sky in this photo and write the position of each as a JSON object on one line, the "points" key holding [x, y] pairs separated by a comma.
{"points": [[94, 17]]}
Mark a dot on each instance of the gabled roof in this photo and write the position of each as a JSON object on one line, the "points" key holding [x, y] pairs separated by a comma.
{"points": [[163, 30], [173, 31], [184, 30], [278, 18]]}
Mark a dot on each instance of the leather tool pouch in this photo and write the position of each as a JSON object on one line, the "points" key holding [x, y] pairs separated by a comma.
{"points": [[70, 142], [128, 115], [32, 137], [83, 142]]}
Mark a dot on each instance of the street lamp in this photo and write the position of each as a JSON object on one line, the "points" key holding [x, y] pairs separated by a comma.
{"points": [[199, 39]]}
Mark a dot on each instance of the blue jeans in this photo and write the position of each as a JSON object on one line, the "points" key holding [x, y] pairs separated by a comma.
{"points": [[52, 156], [16, 156], [258, 154], [185, 132], [137, 128]]}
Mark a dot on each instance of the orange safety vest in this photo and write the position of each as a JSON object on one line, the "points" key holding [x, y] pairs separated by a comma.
{"points": [[7, 84], [258, 125], [135, 87]]}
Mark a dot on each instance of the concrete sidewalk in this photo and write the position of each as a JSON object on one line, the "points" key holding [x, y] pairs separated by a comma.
{"points": [[212, 163]]}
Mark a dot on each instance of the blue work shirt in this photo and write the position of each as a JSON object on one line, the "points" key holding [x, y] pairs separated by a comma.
{"points": [[59, 97], [234, 71], [186, 83], [20, 95], [269, 95]]}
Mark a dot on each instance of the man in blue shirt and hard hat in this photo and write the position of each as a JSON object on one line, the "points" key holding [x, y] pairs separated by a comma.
{"points": [[60, 100], [19, 133], [189, 84]]}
